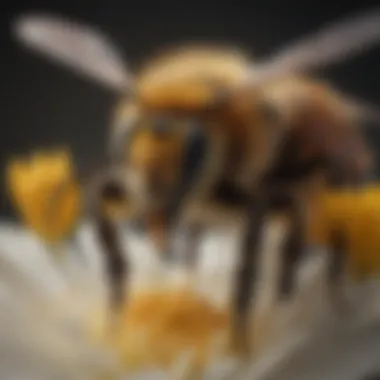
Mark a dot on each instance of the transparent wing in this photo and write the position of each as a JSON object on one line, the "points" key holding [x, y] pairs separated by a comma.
{"points": [[78, 47], [331, 44]]}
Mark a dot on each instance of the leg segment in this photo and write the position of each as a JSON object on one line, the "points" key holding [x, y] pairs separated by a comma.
{"points": [[336, 269], [116, 266], [294, 247], [106, 189], [246, 275]]}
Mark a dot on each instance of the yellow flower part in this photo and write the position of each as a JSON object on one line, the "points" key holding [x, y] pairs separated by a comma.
{"points": [[156, 327], [45, 193], [357, 212]]}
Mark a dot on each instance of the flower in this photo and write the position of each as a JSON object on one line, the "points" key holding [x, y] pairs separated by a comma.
{"points": [[171, 326], [45, 193], [58, 324]]}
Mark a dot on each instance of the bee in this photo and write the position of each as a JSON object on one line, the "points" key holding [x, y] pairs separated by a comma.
{"points": [[205, 124]]}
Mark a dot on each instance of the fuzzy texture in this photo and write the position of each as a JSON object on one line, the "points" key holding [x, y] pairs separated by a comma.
{"points": [[258, 127], [185, 77], [321, 125]]}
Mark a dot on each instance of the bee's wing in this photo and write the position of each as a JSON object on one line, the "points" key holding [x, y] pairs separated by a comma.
{"points": [[330, 44], [79, 47]]}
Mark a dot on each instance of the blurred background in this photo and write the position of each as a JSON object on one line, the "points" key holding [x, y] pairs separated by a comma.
{"points": [[43, 105]]}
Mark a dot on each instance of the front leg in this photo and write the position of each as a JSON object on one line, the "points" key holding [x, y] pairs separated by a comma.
{"points": [[246, 275], [102, 191], [116, 263]]}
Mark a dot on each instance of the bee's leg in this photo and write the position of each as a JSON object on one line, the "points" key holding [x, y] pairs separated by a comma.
{"points": [[116, 263], [246, 275], [115, 258], [342, 178], [336, 270], [294, 247]]}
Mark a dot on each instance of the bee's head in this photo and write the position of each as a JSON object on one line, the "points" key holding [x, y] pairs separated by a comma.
{"points": [[162, 156]]}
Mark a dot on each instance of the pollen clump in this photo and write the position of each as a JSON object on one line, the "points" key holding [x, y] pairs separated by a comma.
{"points": [[158, 326], [357, 213]]}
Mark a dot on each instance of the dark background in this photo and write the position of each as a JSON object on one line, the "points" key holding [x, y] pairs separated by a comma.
{"points": [[44, 105]]}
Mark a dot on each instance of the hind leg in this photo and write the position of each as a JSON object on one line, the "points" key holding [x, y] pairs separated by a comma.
{"points": [[246, 275], [294, 248], [336, 271], [105, 190]]}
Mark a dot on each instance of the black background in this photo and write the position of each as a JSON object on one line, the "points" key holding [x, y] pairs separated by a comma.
{"points": [[44, 105]]}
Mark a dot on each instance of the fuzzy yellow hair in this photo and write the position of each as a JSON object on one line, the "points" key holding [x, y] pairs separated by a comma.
{"points": [[182, 77]]}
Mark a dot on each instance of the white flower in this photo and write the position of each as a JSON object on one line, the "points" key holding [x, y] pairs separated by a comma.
{"points": [[50, 315]]}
